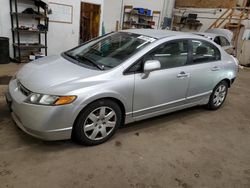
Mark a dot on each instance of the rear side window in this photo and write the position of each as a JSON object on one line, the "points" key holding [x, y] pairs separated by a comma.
{"points": [[204, 52], [224, 41]]}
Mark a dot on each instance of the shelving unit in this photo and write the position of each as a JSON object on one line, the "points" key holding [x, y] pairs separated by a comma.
{"points": [[17, 33], [131, 18]]}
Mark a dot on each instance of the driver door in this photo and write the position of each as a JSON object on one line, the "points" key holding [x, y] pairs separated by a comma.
{"points": [[165, 89]]}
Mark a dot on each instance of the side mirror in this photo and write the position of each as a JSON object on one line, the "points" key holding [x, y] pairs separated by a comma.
{"points": [[149, 66]]}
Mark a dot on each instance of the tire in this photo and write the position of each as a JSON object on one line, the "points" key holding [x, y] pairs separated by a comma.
{"points": [[218, 96], [97, 122]]}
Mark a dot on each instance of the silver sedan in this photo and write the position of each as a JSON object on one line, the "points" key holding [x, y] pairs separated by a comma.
{"points": [[87, 92]]}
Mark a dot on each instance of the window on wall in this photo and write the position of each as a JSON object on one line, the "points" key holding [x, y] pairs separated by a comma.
{"points": [[171, 54], [204, 52]]}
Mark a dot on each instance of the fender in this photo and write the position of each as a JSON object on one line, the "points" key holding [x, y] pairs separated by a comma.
{"points": [[100, 95]]}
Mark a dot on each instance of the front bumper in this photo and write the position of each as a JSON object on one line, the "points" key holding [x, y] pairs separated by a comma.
{"points": [[57, 134], [43, 122]]}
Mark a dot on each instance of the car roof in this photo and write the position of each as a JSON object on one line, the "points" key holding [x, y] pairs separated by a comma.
{"points": [[158, 34]]}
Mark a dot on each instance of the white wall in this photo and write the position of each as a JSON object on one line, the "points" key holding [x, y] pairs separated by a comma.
{"points": [[63, 36], [5, 22], [111, 14]]}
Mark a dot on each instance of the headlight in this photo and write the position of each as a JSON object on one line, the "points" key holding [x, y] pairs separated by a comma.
{"points": [[52, 100]]}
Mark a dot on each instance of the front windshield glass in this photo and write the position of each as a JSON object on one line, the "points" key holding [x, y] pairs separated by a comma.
{"points": [[111, 50]]}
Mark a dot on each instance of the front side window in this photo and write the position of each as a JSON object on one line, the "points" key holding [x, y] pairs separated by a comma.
{"points": [[204, 52], [171, 54], [110, 51]]}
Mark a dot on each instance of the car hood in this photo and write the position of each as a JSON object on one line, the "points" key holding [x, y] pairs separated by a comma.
{"points": [[55, 75]]}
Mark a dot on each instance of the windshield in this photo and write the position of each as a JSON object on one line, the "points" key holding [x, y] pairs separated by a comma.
{"points": [[109, 51]]}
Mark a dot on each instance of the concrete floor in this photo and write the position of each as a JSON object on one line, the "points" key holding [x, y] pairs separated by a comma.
{"points": [[187, 149]]}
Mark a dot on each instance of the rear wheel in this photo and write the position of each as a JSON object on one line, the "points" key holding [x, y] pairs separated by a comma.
{"points": [[97, 122], [218, 96]]}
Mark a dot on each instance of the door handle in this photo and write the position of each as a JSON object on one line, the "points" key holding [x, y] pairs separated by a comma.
{"points": [[215, 68], [182, 75]]}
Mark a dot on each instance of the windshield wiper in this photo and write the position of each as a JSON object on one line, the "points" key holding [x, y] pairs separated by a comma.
{"points": [[71, 56], [80, 59], [91, 61]]}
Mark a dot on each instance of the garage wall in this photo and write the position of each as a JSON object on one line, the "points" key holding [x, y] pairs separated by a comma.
{"points": [[206, 16], [206, 4], [151, 4], [113, 8], [208, 11], [5, 23], [111, 14], [62, 36]]}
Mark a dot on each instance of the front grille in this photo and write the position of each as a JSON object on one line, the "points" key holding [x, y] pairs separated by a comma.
{"points": [[22, 89]]}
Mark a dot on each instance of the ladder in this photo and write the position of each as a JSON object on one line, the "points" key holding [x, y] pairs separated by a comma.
{"points": [[232, 19]]}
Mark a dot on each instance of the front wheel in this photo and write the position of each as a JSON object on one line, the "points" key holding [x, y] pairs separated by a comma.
{"points": [[97, 122], [218, 96]]}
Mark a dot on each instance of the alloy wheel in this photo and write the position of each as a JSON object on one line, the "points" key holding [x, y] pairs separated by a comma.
{"points": [[219, 95], [100, 123]]}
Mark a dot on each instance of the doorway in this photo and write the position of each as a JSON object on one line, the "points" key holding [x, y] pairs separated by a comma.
{"points": [[89, 21]]}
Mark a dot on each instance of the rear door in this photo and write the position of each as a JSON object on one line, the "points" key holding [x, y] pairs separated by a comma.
{"points": [[204, 68]]}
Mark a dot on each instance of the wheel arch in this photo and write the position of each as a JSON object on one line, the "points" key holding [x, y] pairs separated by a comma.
{"points": [[116, 100], [228, 81]]}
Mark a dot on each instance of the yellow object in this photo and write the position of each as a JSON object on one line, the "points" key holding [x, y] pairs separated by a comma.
{"points": [[65, 100]]}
